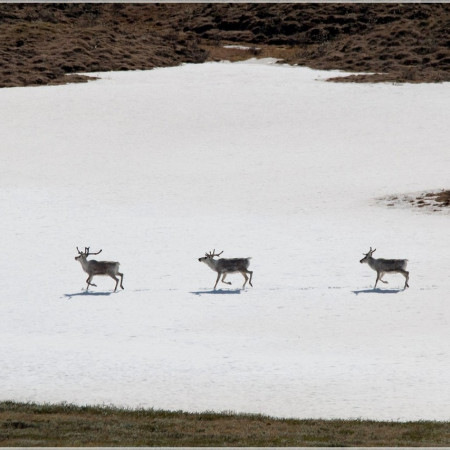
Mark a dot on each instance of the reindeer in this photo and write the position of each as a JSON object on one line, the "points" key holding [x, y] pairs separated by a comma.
{"points": [[382, 266], [224, 266], [94, 267]]}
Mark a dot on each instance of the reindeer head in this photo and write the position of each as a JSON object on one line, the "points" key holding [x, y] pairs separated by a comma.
{"points": [[209, 256], [83, 255], [367, 255]]}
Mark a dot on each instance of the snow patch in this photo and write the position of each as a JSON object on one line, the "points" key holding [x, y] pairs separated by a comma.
{"points": [[157, 167], [241, 47]]}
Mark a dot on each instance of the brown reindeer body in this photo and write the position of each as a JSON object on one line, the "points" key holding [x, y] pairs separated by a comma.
{"points": [[382, 266], [224, 266], [93, 268]]}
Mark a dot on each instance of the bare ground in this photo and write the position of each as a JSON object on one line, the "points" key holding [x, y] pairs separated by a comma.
{"points": [[43, 43], [437, 201]]}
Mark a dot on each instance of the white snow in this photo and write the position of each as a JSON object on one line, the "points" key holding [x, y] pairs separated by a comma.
{"points": [[268, 161], [241, 47]]}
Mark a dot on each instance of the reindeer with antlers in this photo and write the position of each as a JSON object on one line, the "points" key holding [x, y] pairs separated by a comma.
{"points": [[224, 266], [94, 267], [382, 266]]}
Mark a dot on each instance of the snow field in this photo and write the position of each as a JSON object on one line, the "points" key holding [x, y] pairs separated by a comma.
{"points": [[255, 159]]}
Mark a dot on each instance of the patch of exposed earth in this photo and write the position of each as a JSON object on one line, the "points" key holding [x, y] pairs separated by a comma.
{"points": [[437, 201], [41, 44]]}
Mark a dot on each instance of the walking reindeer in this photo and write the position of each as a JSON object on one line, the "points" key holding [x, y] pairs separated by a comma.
{"points": [[382, 266], [224, 266], [93, 267]]}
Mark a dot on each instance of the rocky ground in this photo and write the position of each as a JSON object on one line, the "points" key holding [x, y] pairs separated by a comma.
{"points": [[43, 43], [430, 201]]}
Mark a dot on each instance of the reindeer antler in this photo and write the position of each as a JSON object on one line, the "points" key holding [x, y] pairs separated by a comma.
{"points": [[213, 253], [86, 251]]}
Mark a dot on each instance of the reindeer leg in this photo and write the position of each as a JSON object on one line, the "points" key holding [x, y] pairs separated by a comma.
{"points": [[218, 276], [378, 277], [405, 273], [251, 275], [381, 278], [121, 279], [88, 281], [223, 279], [246, 279], [117, 281]]}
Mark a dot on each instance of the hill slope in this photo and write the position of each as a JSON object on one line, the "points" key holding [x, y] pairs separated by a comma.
{"points": [[41, 43]]}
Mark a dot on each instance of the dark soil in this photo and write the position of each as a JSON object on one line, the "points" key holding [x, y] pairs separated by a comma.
{"points": [[431, 201], [443, 198], [42, 43], [435, 199]]}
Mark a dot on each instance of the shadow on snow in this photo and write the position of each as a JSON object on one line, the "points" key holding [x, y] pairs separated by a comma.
{"points": [[378, 291], [218, 292], [83, 293]]}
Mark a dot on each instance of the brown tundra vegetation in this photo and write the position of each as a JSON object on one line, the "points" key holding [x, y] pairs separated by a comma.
{"points": [[44, 44], [23, 425]]}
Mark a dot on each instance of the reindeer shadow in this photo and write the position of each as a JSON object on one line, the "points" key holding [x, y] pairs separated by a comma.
{"points": [[84, 293], [378, 291], [217, 292]]}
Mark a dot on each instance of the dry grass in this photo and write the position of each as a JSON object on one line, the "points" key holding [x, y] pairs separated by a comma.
{"points": [[442, 198], [397, 42], [222, 52], [67, 425], [41, 43], [436, 199]]}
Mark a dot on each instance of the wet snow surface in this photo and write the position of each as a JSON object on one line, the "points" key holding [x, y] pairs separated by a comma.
{"points": [[255, 159]]}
